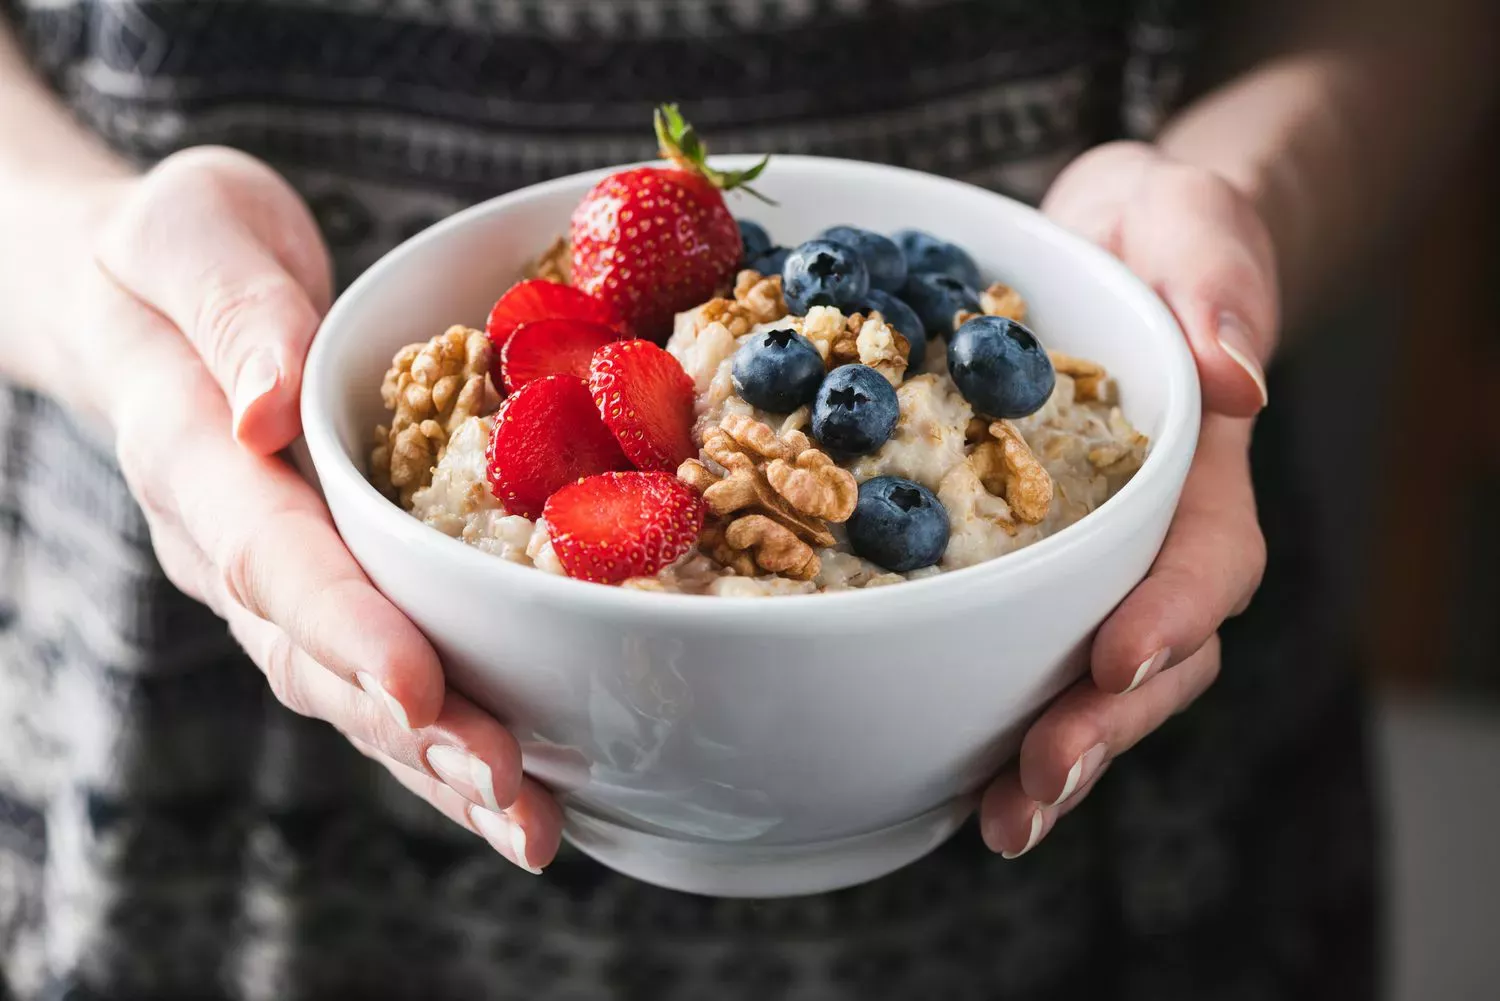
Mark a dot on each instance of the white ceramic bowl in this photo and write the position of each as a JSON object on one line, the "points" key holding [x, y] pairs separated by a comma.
{"points": [[761, 746]]}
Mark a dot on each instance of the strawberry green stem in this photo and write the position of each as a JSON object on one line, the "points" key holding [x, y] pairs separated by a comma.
{"points": [[681, 145]]}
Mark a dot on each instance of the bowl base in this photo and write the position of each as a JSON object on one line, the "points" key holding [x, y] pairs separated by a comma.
{"points": [[721, 869]]}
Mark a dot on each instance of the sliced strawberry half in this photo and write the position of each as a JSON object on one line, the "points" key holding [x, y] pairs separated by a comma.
{"points": [[615, 526], [552, 347], [546, 435], [646, 399], [538, 299]]}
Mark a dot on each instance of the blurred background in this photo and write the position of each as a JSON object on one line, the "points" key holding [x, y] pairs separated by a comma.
{"points": [[1403, 443]]}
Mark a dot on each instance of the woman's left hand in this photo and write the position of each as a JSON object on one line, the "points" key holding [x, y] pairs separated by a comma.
{"points": [[1201, 245]]}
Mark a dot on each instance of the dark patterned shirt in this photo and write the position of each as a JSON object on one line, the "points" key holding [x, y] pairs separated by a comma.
{"points": [[167, 831]]}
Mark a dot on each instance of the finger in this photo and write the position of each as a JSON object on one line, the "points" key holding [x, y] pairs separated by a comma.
{"points": [[226, 250], [465, 748], [1086, 728], [1208, 569], [1213, 265], [527, 835], [268, 536], [1198, 242]]}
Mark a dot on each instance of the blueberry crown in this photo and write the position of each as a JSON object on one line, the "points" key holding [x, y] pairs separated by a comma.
{"points": [[907, 499]]}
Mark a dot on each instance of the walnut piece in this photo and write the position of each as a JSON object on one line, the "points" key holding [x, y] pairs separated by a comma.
{"points": [[1090, 381], [555, 264], [430, 390], [882, 348], [774, 500], [1002, 300], [997, 300], [756, 300], [1008, 468], [776, 548]]}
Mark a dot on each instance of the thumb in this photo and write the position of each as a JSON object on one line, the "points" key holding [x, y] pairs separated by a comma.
{"points": [[1207, 253], [189, 244]]}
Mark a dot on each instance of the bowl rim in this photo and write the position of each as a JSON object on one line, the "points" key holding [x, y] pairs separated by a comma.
{"points": [[1160, 476]]}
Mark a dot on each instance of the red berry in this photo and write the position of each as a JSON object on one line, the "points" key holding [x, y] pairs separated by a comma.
{"points": [[654, 241], [615, 526], [646, 399], [546, 435], [552, 347], [537, 299]]}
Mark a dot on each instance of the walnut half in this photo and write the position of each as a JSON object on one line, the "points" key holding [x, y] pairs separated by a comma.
{"points": [[430, 390], [774, 500]]}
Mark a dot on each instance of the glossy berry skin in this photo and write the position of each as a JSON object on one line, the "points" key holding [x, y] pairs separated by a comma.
{"points": [[883, 259], [771, 262], [823, 273], [652, 242], [855, 411], [646, 399], [547, 434], [898, 524], [779, 370], [754, 240], [615, 526], [999, 367], [903, 318], [937, 299], [927, 255]]}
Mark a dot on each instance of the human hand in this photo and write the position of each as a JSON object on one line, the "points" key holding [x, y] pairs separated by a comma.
{"points": [[1202, 247], [191, 329]]}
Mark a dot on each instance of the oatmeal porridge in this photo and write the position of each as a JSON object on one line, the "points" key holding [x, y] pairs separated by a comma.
{"points": [[777, 504]]}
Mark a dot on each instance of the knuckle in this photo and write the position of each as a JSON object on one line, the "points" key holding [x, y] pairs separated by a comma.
{"points": [[227, 309], [239, 571], [279, 662]]}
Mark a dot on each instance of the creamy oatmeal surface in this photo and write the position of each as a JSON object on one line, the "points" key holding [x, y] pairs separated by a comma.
{"points": [[1005, 484]]}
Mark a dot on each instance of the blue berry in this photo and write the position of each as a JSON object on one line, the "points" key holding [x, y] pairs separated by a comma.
{"points": [[779, 370], [898, 524], [927, 255], [754, 238], [883, 259], [823, 273], [937, 299], [999, 367], [771, 262], [902, 317], [855, 411]]}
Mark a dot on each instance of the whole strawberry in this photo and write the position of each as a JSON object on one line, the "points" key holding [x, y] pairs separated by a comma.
{"points": [[654, 241]]}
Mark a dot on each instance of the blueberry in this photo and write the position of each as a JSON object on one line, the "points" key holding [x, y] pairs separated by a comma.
{"points": [[823, 273], [778, 371], [754, 238], [927, 255], [883, 259], [771, 262], [903, 318], [898, 524], [856, 410], [936, 299], [999, 367]]}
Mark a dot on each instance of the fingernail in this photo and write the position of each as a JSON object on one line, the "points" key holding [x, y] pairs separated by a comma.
{"points": [[1083, 769], [504, 835], [1032, 839], [1234, 338], [465, 773], [1148, 667], [377, 692], [257, 376]]}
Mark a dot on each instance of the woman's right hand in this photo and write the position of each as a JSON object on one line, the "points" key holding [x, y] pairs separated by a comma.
{"points": [[189, 329]]}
